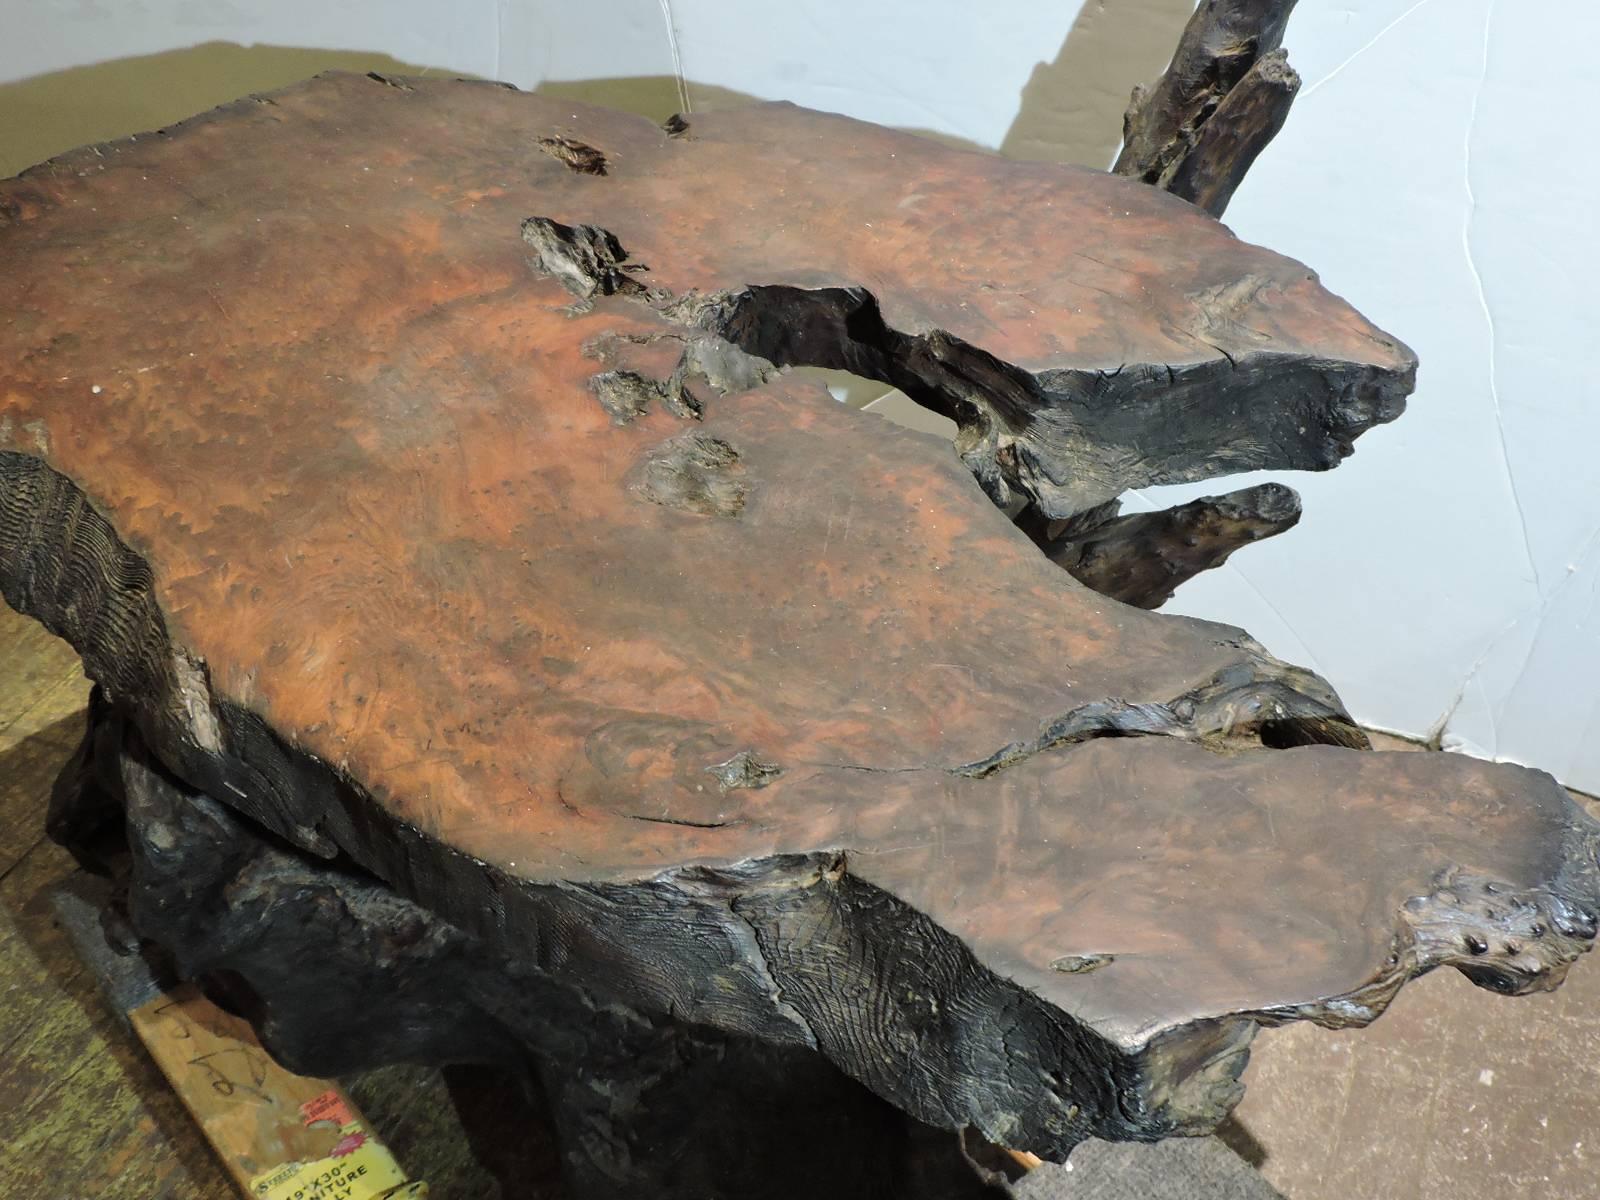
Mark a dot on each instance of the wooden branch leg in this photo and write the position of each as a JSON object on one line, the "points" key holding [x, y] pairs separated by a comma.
{"points": [[1224, 96], [340, 975]]}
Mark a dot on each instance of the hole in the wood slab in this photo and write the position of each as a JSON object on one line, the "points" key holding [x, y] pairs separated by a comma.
{"points": [[843, 329], [875, 396], [837, 333], [853, 391], [1285, 735]]}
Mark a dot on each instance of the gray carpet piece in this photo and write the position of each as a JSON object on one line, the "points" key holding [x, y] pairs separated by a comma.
{"points": [[1177, 1169]]}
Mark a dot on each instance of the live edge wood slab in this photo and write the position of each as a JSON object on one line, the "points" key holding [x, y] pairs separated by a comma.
{"points": [[501, 658]]}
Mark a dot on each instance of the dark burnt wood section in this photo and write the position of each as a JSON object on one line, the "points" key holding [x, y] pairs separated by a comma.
{"points": [[1226, 93], [1139, 558], [413, 466]]}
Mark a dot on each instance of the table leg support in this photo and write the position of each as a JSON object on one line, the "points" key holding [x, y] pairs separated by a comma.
{"points": [[341, 974]]}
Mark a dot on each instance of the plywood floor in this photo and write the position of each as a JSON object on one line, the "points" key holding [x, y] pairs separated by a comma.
{"points": [[1455, 1093]]}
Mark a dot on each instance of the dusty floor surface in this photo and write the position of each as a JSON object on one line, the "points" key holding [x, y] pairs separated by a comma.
{"points": [[1454, 1093]]}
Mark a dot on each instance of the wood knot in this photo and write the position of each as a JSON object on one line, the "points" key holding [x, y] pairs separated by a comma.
{"points": [[696, 473], [577, 156]]}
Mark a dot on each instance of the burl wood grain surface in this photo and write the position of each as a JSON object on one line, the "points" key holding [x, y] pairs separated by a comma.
{"points": [[296, 354]]}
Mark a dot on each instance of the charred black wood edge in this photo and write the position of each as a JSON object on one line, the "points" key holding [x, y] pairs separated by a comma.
{"points": [[340, 974], [1223, 73], [1141, 558]]}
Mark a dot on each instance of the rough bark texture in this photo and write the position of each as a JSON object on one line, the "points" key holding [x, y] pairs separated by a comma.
{"points": [[1245, 120], [1224, 96], [438, 504], [1140, 558]]}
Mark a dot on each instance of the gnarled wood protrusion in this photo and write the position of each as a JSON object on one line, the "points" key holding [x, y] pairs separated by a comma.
{"points": [[1141, 558], [1224, 96]]}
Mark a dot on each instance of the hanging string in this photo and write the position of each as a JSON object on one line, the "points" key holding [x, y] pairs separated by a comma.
{"points": [[677, 57]]}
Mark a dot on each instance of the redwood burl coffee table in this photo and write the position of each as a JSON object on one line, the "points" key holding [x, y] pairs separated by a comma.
{"points": [[502, 658]]}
